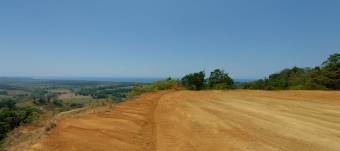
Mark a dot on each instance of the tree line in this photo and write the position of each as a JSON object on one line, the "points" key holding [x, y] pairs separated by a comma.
{"points": [[323, 77], [218, 79]]}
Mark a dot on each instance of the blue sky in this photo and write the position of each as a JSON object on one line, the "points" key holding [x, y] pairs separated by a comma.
{"points": [[160, 38]]}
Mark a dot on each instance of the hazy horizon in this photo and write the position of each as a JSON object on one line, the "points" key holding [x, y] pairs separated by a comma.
{"points": [[158, 39], [106, 79]]}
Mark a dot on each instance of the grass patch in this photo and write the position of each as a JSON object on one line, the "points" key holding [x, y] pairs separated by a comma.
{"points": [[153, 87]]}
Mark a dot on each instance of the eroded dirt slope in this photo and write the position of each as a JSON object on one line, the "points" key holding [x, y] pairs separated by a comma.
{"points": [[208, 120], [129, 126]]}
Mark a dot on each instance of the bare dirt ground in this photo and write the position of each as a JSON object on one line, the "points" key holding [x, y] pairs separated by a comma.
{"points": [[208, 120]]}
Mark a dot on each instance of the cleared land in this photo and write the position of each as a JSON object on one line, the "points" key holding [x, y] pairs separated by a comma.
{"points": [[208, 120]]}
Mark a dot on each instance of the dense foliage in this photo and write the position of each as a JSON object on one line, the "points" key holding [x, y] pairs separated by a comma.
{"points": [[327, 76], [194, 81], [217, 80], [220, 80], [12, 116], [7, 103]]}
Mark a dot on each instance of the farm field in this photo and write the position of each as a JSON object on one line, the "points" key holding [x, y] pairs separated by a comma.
{"points": [[208, 120]]}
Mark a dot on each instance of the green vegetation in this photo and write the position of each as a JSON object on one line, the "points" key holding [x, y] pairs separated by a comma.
{"points": [[25, 100], [326, 77], [153, 87], [220, 80], [194, 81], [3, 92], [118, 92], [7, 103], [12, 116], [217, 80]]}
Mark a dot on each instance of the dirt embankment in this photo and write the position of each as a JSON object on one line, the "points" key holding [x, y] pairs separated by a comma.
{"points": [[208, 120]]}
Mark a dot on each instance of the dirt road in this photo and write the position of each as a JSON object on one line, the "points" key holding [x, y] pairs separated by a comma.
{"points": [[207, 120]]}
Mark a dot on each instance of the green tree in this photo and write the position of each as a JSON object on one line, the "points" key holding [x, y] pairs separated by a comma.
{"points": [[330, 72], [220, 80], [325, 77], [332, 61], [194, 81]]}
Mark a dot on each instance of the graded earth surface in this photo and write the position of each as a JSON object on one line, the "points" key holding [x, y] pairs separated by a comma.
{"points": [[238, 120]]}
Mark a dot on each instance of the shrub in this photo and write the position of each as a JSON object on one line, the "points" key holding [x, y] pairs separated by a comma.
{"points": [[58, 103], [7, 103], [194, 81], [29, 114], [220, 80]]}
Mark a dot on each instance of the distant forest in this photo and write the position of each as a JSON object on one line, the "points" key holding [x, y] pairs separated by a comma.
{"points": [[323, 77]]}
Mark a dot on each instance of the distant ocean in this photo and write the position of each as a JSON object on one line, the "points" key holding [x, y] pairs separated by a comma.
{"points": [[104, 79], [115, 79]]}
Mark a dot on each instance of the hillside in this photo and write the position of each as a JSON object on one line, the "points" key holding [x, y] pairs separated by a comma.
{"points": [[207, 120]]}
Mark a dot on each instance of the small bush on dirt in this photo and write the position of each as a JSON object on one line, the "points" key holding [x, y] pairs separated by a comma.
{"points": [[194, 81]]}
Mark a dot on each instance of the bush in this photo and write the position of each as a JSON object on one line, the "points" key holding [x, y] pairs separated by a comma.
{"points": [[220, 80], [7, 103], [194, 81], [58, 103], [28, 114]]}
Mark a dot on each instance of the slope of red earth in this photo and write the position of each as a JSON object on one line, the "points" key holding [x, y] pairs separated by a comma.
{"points": [[209, 120]]}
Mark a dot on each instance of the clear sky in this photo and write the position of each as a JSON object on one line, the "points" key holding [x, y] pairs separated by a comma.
{"points": [[160, 38]]}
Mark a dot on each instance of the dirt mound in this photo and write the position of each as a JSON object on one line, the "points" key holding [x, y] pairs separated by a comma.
{"points": [[208, 120]]}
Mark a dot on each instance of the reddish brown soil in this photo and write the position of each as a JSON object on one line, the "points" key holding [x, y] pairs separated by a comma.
{"points": [[207, 120]]}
